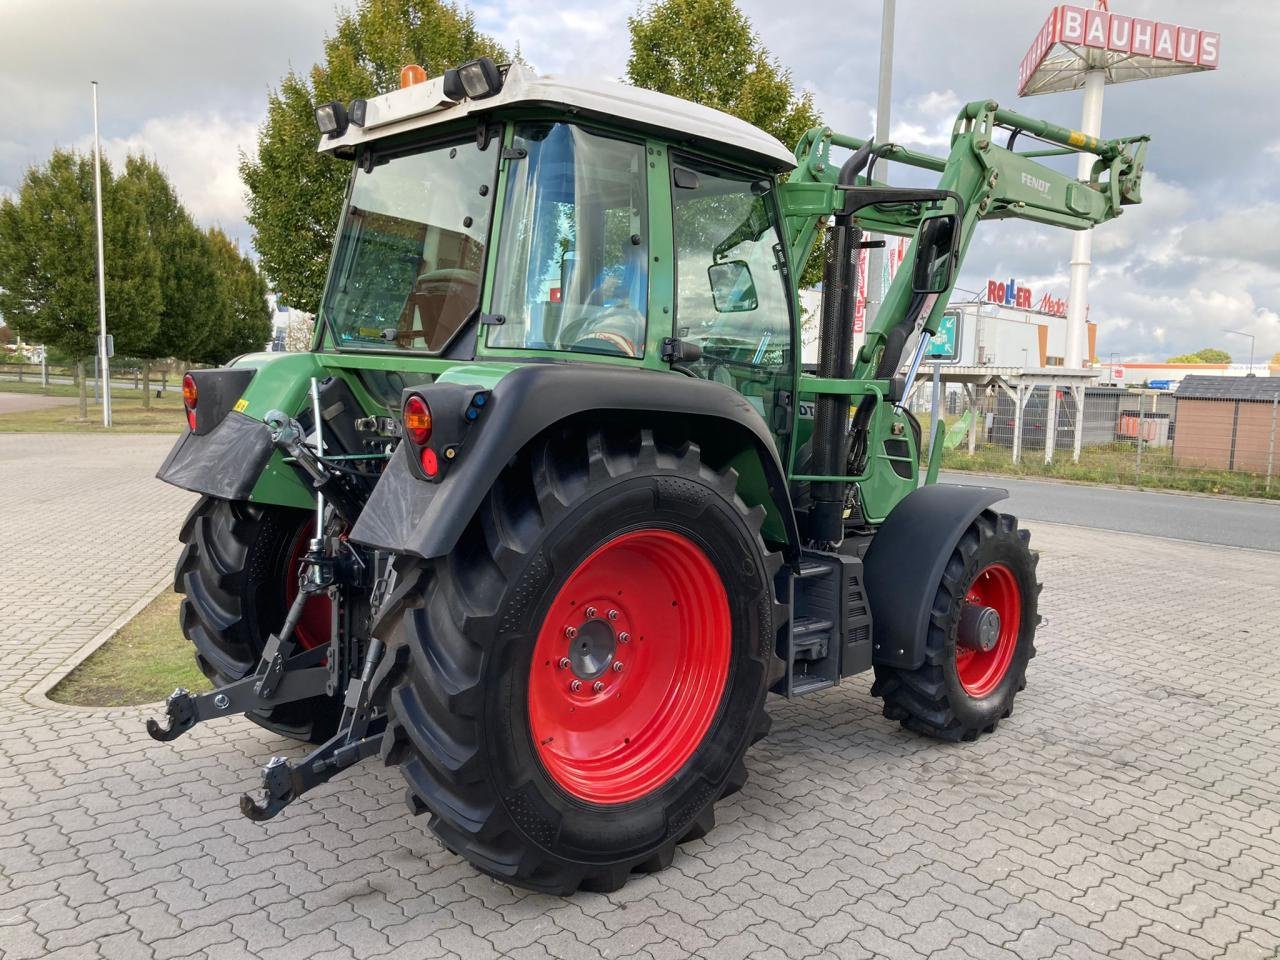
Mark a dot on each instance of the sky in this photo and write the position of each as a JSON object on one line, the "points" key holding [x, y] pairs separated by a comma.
{"points": [[186, 83]]}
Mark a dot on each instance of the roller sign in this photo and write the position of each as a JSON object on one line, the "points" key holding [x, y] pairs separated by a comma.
{"points": [[1074, 40]]}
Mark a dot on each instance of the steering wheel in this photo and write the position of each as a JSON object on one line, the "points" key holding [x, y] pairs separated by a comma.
{"points": [[619, 329]]}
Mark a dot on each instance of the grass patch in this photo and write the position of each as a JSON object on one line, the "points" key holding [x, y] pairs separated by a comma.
{"points": [[1115, 464], [127, 416], [142, 663]]}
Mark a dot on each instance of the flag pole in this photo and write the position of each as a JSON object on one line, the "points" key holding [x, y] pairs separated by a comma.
{"points": [[102, 273]]}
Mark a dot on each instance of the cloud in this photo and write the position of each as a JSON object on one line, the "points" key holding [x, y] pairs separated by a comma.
{"points": [[201, 155]]}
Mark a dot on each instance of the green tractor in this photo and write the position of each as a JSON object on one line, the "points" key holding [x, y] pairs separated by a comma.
{"points": [[552, 504]]}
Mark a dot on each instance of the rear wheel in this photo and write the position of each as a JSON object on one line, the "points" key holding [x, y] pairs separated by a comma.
{"points": [[589, 665], [981, 635], [239, 574]]}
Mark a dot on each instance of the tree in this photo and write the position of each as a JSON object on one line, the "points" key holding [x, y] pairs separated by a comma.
{"points": [[707, 52], [1207, 355], [295, 193], [48, 282], [240, 318], [187, 282]]}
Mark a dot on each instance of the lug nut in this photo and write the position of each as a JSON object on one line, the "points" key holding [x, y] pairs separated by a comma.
{"points": [[613, 614], [571, 631], [575, 686], [564, 663], [617, 666], [591, 612], [598, 686], [624, 637]]}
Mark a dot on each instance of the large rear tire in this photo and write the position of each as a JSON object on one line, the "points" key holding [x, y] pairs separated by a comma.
{"points": [[238, 571], [588, 667], [981, 635]]}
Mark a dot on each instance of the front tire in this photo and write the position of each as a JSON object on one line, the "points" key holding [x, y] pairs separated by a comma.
{"points": [[238, 571], [981, 635], [538, 758]]}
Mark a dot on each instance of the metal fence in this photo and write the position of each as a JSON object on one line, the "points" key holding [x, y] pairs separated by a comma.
{"points": [[162, 379], [1145, 438]]}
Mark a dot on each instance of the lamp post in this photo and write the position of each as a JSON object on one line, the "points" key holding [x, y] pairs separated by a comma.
{"points": [[1241, 333], [105, 366], [873, 282]]}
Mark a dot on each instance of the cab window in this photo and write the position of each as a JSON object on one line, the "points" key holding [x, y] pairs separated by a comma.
{"points": [[731, 297], [572, 270]]}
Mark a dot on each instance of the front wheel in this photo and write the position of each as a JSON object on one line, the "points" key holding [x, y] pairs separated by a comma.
{"points": [[589, 665], [981, 634]]}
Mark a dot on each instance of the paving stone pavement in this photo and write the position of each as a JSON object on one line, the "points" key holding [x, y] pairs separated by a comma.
{"points": [[1130, 808]]}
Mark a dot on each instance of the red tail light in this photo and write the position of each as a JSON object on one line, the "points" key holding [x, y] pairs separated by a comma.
{"points": [[189, 397], [417, 420], [430, 462]]}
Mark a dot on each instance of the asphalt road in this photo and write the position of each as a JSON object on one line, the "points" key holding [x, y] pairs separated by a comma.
{"points": [[1217, 520]]}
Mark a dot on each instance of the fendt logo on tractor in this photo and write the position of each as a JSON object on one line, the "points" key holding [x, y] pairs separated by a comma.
{"points": [[540, 518]]}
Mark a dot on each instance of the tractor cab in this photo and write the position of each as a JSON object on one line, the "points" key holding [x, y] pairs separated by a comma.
{"points": [[496, 214]]}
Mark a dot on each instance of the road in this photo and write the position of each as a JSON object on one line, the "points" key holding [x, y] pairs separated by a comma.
{"points": [[21, 402], [1217, 520]]}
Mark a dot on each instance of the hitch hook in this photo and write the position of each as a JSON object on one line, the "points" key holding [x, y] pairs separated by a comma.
{"points": [[180, 711]]}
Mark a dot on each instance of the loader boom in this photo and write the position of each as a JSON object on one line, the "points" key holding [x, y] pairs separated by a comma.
{"points": [[991, 181]]}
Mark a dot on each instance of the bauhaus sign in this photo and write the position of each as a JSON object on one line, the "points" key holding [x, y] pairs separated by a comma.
{"points": [[1129, 48]]}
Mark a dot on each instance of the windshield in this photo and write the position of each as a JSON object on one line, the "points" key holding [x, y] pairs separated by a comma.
{"points": [[411, 250]]}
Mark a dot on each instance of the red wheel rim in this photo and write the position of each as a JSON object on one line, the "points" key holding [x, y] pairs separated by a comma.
{"points": [[980, 671], [653, 602], [313, 629]]}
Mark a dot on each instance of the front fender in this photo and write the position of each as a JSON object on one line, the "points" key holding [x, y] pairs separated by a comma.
{"points": [[905, 561], [410, 515]]}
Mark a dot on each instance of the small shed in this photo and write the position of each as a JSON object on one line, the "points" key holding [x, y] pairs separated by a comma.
{"points": [[1228, 423]]}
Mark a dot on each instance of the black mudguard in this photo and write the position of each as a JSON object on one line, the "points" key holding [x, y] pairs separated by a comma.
{"points": [[408, 514], [225, 462], [905, 562]]}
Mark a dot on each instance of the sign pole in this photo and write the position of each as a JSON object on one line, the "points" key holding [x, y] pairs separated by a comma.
{"points": [[1082, 242], [103, 365]]}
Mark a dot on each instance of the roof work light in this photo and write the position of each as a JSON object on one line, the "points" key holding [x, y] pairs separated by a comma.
{"points": [[475, 80], [331, 118]]}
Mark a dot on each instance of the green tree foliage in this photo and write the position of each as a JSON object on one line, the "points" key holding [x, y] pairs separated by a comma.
{"points": [[48, 284], [295, 193], [187, 284], [706, 51], [1207, 355], [239, 317]]}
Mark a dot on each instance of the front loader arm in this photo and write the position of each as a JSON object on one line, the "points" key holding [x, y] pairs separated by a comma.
{"points": [[994, 182]]}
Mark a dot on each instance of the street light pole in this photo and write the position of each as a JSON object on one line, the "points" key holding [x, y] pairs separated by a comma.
{"points": [[102, 272], [1241, 333], [875, 256]]}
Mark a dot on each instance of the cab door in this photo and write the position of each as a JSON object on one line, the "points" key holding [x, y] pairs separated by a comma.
{"points": [[731, 295]]}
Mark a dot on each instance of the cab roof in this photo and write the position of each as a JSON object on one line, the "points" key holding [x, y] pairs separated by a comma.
{"points": [[424, 105]]}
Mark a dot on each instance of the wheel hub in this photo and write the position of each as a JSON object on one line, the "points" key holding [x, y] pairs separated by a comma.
{"points": [[979, 627], [592, 649]]}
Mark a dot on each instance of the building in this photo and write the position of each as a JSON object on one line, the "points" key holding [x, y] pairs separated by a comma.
{"points": [[1002, 326], [1228, 423]]}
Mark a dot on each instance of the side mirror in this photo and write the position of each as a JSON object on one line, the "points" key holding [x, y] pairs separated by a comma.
{"points": [[732, 288], [936, 253]]}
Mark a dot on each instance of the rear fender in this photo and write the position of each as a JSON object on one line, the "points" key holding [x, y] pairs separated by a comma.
{"points": [[230, 454], [905, 561], [408, 514]]}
